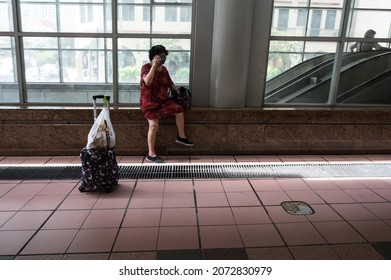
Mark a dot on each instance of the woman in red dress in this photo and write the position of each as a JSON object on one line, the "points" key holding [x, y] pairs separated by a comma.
{"points": [[155, 101]]}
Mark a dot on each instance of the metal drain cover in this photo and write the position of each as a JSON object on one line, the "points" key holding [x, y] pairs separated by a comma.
{"points": [[297, 208]]}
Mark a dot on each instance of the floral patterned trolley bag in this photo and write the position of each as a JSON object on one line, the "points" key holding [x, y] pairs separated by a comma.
{"points": [[99, 164]]}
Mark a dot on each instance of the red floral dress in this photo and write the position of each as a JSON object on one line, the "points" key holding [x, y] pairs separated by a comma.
{"points": [[155, 101]]}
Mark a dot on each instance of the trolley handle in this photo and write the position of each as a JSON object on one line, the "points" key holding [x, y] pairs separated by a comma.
{"points": [[95, 97]]}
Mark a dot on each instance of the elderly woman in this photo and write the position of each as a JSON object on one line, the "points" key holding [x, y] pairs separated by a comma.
{"points": [[155, 101]]}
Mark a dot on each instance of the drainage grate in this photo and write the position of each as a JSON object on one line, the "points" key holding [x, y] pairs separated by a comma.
{"points": [[147, 171], [297, 208]]}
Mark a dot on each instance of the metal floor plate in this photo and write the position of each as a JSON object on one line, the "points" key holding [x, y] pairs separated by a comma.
{"points": [[149, 171]]}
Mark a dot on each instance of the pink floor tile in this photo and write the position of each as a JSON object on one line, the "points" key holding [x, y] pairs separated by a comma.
{"points": [[309, 197], [243, 199], [79, 201], [246, 159], [178, 200], [356, 252], [172, 238], [214, 186], [373, 231], [211, 199], [236, 186], [178, 159], [223, 159], [136, 239], [26, 220], [142, 218], [6, 187], [273, 198], [335, 196], [269, 159], [381, 210], [376, 183], [293, 184], [385, 193], [93, 240], [195, 159], [13, 160], [348, 183], [62, 160], [113, 201], [338, 232], [250, 215], [220, 237], [321, 184], [317, 252], [300, 234], [215, 216], [5, 216], [354, 212], [365, 196], [50, 242], [178, 217], [130, 159], [58, 188], [264, 235], [147, 200], [37, 160], [323, 213], [279, 215], [66, 219], [44, 202], [27, 189], [104, 218], [11, 242], [277, 253], [265, 185], [178, 186], [143, 187]]}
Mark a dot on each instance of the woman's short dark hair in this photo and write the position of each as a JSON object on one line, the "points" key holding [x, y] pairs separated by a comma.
{"points": [[156, 50]]}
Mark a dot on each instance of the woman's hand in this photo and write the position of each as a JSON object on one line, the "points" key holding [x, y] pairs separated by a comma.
{"points": [[156, 61]]}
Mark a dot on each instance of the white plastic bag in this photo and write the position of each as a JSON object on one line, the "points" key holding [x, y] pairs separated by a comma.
{"points": [[102, 134]]}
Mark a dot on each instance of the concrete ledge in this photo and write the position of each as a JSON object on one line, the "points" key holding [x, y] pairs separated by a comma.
{"points": [[214, 131]]}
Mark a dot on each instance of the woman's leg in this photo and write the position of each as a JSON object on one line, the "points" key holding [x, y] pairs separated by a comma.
{"points": [[180, 124], [151, 138]]}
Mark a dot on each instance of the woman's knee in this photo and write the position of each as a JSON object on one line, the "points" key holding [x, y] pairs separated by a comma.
{"points": [[153, 125]]}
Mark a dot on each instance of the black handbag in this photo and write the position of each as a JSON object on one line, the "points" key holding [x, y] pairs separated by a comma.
{"points": [[183, 98]]}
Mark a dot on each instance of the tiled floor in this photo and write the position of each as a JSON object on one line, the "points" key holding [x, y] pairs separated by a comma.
{"points": [[197, 218]]}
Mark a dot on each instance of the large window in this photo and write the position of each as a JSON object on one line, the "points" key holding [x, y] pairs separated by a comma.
{"points": [[310, 54], [48, 57]]}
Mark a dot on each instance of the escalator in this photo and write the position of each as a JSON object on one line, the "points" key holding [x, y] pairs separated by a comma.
{"points": [[365, 78]]}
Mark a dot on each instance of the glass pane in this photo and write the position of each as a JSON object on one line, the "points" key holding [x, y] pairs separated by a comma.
{"points": [[289, 22], [71, 73], [168, 20], [299, 72], [87, 18], [373, 4], [134, 18], [6, 16], [365, 79], [172, 1], [9, 92], [376, 20], [40, 17], [134, 1], [324, 23], [327, 3], [293, 3]]}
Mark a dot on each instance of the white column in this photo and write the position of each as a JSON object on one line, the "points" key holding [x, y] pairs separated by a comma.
{"points": [[230, 52]]}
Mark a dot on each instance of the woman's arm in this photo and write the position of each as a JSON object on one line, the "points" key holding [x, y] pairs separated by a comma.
{"points": [[151, 74]]}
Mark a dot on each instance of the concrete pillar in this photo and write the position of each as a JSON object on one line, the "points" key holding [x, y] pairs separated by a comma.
{"points": [[230, 52]]}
